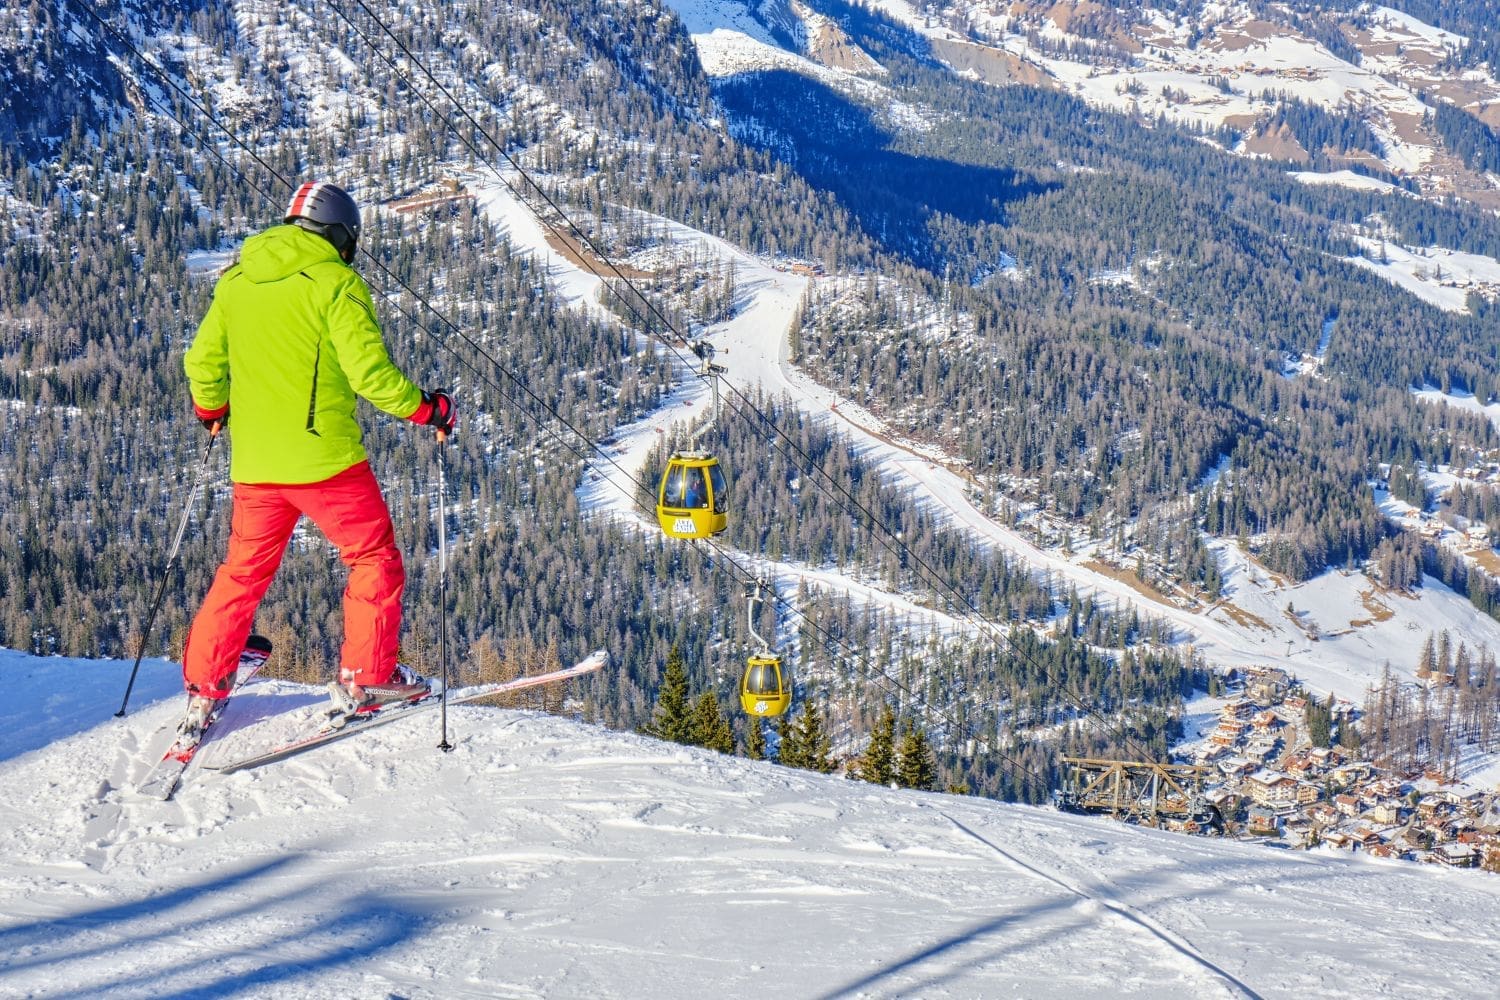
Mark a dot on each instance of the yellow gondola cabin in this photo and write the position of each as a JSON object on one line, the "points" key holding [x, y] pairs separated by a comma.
{"points": [[693, 499], [763, 689]]}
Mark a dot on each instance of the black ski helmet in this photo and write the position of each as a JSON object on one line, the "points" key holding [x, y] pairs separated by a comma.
{"points": [[326, 209]]}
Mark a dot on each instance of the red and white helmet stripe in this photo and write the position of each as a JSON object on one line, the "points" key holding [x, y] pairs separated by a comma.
{"points": [[305, 193]]}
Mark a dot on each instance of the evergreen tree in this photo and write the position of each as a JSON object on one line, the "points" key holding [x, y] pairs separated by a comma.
{"points": [[1319, 718], [709, 727], [878, 765], [673, 719], [915, 766], [1349, 735], [805, 743], [788, 746], [755, 739]]}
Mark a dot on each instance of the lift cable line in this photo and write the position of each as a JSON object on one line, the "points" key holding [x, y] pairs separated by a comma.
{"points": [[830, 640], [966, 607], [746, 404], [968, 611]]}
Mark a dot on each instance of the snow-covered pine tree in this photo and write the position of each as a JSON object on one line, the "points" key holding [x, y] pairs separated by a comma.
{"points": [[710, 728], [915, 765], [805, 743], [755, 739], [673, 719], [878, 765]]}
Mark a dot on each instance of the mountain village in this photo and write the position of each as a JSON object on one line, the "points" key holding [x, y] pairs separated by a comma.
{"points": [[1271, 783]]}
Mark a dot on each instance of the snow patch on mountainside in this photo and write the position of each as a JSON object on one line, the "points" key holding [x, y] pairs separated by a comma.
{"points": [[1345, 178], [1445, 278], [1217, 70], [1462, 400]]}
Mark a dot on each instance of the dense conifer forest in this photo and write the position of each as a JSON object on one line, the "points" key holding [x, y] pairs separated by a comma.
{"points": [[1094, 312]]}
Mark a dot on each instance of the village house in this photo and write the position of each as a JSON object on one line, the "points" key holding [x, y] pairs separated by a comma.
{"points": [[1265, 722], [1239, 708], [1323, 814], [1431, 806], [1440, 829], [1387, 812], [1268, 686], [1233, 727], [1297, 830], [1271, 788], [1263, 822], [1308, 793], [1337, 838], [1350, 775], [1237, 767], [1346, 804], [1469, 804], [1222, 799], [1299, 765], [1210, 753], [1456, 855], [1219, 739], [1260, 750]]}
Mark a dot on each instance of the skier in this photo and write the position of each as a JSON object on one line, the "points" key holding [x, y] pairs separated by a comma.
{"points": [[288, 342]]}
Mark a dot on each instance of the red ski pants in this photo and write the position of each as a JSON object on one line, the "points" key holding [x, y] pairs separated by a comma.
{"points": [[352, 514]]}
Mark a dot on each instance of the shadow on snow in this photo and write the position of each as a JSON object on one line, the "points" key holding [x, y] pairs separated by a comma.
{"points": [[204, 934]]}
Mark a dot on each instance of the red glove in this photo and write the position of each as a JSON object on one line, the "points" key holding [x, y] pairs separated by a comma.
{"points": [[436, 410], [213, 420]]}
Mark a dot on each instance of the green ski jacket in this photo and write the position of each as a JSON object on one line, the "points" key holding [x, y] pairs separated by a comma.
{"points": [[289, 342]]}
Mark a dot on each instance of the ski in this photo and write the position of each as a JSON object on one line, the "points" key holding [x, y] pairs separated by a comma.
{"points": [[162, 779], [330, 730]]}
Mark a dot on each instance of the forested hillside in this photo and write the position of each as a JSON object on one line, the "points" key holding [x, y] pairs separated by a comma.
{"points": [[1119, 393], [1095, 313]]}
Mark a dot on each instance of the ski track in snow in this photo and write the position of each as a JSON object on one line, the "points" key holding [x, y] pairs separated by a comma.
{"points": [[547, 858]]}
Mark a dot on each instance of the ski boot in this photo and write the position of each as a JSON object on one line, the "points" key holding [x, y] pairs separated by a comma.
{"points": [[200, 713], [350, 698]]}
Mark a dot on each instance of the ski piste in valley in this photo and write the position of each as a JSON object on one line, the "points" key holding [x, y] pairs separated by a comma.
{"points": [[544, 857]]}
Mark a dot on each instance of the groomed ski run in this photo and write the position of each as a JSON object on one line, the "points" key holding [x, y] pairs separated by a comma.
{"points": [[545, 857]]}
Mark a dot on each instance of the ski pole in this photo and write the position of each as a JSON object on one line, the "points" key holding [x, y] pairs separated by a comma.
{"points": [[161, 588], [442, 437]]}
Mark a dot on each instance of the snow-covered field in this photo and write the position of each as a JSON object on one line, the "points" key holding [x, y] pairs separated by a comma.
{"points": [[1433, 274], [547, 858]]}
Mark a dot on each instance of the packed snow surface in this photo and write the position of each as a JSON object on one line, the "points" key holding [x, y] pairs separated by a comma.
{"points": [[548, 858]]}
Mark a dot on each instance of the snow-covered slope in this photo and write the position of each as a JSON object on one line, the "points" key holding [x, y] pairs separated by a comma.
{"points": [[1221, 66], [547, 858]]}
